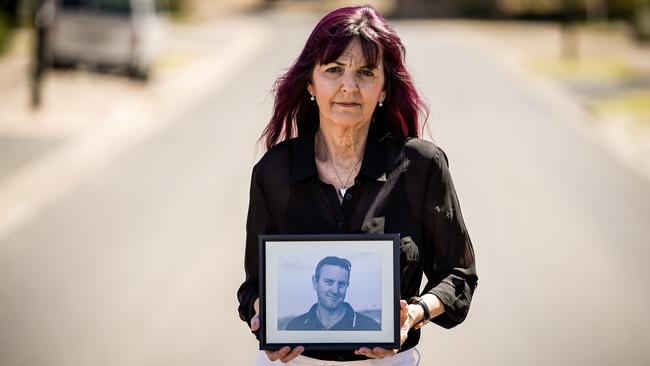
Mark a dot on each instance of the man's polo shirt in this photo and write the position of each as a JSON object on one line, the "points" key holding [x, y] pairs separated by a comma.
{"points": [[350, 321]]}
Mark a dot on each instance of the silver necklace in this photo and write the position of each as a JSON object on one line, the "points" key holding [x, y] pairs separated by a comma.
{"points": [[344, 186]]}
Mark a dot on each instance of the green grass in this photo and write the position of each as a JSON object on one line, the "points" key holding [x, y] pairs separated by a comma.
{"points": [[634, 106], [586, 69], [5, 31]]}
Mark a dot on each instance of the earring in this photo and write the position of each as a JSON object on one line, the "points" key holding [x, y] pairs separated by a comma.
{"points": [[381, 103], [313, 98]]}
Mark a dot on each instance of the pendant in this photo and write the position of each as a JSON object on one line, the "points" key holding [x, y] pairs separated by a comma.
{"points": [[342, 191]]}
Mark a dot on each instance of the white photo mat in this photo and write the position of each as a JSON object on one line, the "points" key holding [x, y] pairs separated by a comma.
{"points": [[275, 250]]}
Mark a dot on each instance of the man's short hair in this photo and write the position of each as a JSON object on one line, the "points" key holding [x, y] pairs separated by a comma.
{"points": [[333, 261]]}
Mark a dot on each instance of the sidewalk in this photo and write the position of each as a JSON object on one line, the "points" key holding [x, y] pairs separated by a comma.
{"points": [[606, 89], [87, 119]]}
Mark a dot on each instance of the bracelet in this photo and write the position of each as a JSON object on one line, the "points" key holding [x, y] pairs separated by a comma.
{"points": [[427, 313]]}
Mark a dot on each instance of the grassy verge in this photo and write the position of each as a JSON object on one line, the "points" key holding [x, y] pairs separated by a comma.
{"points": [[587, 69], [5, 31], [633, 105]]}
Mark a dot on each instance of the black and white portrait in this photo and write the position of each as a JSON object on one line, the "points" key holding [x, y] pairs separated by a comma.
{"points": [[337, 290], [328, 306]]}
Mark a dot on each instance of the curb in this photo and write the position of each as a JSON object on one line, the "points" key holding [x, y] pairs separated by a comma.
{"points": [[610, 137]]}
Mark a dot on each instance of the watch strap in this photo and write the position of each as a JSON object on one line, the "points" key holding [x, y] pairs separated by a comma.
{"points": [[425, 309]]}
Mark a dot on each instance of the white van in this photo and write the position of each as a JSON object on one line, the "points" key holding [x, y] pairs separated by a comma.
{"points": [[106, 33]]}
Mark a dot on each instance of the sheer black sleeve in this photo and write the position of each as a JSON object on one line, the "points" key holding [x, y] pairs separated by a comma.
{"points": [[450, 268], [258, 222]]}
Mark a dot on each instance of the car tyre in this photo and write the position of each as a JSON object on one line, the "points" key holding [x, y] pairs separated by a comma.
{"points": [[140, 74], [61, 64]]}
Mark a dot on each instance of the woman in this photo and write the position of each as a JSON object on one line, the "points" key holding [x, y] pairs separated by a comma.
{"points": [[343, 157]]}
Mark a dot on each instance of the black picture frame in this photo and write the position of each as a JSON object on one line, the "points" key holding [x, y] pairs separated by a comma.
{"points": [[285, 259]]}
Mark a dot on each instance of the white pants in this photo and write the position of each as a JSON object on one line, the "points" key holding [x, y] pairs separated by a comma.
{"points": [[410, 357]]}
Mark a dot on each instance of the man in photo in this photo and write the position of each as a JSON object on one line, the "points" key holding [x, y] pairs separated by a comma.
{"points": [[330, 281]]}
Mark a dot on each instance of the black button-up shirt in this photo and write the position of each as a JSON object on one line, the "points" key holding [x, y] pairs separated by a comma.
{"points": [[403, 186]]}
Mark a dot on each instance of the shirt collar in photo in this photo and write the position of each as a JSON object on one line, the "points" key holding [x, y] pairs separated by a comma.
{"points": [[347, 322], [374, 165]]}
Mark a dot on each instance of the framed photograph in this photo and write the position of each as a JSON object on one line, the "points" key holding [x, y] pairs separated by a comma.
{"points": [[329, 291]]}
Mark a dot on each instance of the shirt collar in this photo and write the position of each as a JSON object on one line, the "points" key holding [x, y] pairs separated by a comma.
{"points": [[304, 158], [375, 158], [374, 164], [347, 322]]}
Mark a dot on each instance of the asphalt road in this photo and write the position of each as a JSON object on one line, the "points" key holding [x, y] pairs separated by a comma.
{"points": [[139, 264]]}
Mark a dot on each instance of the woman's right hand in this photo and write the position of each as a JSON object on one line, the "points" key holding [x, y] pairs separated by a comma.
{"points": [[284, 354]]}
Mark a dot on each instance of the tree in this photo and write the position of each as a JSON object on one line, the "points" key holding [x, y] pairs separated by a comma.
{"points": [[8, 20]]}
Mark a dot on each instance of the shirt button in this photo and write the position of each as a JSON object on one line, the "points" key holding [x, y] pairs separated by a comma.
{"points": [[348, 196]]}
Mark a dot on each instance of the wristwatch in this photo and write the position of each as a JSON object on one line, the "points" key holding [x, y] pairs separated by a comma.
{"points": [[427, 313]]}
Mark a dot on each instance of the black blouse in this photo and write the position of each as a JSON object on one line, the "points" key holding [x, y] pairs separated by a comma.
{"points": [[402, 187]]}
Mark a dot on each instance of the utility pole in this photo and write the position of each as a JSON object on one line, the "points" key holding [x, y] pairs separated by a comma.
{"points": [[569, 33], [43, 18]]}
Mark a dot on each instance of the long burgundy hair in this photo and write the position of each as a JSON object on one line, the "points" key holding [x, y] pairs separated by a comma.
{"points": [[294, 112]]}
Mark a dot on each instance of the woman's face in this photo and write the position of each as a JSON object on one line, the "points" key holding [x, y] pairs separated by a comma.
{"points": [[347, 90]]}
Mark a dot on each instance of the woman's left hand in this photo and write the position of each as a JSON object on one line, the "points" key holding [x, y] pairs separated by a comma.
{"points": [[406, 321]]}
